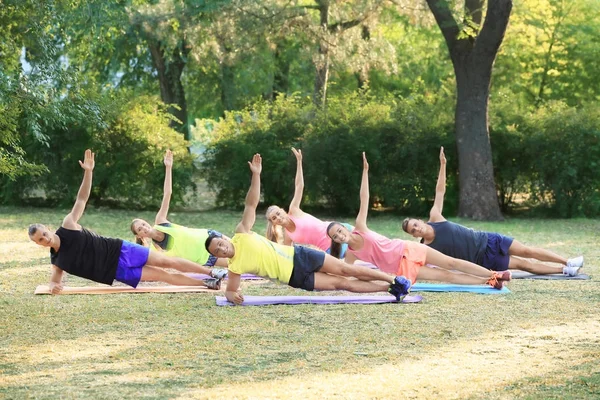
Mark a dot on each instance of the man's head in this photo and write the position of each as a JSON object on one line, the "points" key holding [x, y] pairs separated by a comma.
{"points": [[414, 227], [41, 235], [219, 246]]}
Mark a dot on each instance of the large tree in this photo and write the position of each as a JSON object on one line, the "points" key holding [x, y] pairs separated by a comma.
{"points": [[473, 47]]}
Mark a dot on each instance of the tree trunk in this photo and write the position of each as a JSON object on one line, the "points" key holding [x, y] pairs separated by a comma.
{"points": [[478, 197], [281, 78], [473, 59], [322, 64], [362, 76], [169, 78]]}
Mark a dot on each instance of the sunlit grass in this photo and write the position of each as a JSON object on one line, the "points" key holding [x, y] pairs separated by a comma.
{"points": [[541, 341]]}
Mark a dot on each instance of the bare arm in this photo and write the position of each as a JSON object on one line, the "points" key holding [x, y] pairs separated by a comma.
{"points": [[161, 216], [435, 214], [299, 187], [232, 293], [253, 196], [361, 218], [350, 258], [71, 220], [55, 284]]}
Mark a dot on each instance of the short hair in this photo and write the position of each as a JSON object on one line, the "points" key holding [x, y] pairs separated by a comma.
{"points": [[405, 224], [33, 228], [211, 235]]}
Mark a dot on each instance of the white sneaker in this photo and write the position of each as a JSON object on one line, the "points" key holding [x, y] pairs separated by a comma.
{"points": [[570, 271], [575, 262]]}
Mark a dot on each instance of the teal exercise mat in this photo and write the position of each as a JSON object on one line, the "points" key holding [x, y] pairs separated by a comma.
{"points": [[437, 287], [527, 275]]}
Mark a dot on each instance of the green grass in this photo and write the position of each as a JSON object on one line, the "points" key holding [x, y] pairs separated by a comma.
{"points": [[541, 341]]}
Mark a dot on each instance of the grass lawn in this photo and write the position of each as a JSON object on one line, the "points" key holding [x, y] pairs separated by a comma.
{"points": [[542, 341]]}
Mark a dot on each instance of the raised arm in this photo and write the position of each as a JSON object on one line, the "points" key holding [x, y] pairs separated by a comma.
{"points": [[71, 220], [435, 214], [299, 187], [361, 218], [161, 216], [253, 196]]}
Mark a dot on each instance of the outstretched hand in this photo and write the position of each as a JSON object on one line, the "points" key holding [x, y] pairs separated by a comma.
{"points": [[442, 156], [168, 160], [88, 161], [298, 154], [256, 164], [365, 163]]}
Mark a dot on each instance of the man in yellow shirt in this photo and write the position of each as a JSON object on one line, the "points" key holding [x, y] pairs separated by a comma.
{"points": [[297, 266]]}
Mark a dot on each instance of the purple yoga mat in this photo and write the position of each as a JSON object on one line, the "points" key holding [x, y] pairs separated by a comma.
{"points": [[352, 299], [246, 277]]}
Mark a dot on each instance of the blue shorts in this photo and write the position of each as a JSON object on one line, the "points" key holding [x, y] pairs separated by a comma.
{"points": [[132, 259], [307, 261], [496, 255]]}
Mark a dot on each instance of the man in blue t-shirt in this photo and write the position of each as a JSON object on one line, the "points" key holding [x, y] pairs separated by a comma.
{"points": [[488, 249]]}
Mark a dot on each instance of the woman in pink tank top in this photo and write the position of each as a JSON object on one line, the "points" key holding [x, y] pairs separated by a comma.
{"points": [[401, 257], [298, 227]]}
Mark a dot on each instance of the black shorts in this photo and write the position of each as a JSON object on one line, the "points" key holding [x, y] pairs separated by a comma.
{"points": [[306, 263]]}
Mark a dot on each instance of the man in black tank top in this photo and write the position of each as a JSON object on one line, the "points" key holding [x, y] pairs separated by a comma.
{"points": [[81, 252], [488, 249]]}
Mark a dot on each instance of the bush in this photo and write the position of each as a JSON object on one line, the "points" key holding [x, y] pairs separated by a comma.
{"points": [[395, 133], [129, 138], [564, 150]]}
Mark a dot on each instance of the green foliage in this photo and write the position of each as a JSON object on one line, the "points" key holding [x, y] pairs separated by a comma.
{"points": [[270, 129], [564, 151], [129, 138], [399, 136], [549, 156]]}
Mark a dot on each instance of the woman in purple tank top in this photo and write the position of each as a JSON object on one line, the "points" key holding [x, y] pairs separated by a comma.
{"points": [[401, 257], [501, 252], [296, 226]]}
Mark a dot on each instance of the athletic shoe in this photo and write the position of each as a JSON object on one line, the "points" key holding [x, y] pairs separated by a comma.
{"points": [[212, 283], [571, 271], [218, 273], [576, 262], [400, 287], [505, 276], [495, 282]]}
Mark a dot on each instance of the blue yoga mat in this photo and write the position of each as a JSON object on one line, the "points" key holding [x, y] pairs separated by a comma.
{"points": [[437, 287]]}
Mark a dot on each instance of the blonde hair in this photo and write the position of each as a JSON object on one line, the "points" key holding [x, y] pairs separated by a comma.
{"points": [[274, 233]]}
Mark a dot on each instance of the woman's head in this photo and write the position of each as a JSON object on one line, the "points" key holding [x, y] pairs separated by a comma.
{"points": [[277, 215], [276, 218], [338, 234], [141, 229], [414, 227]]}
